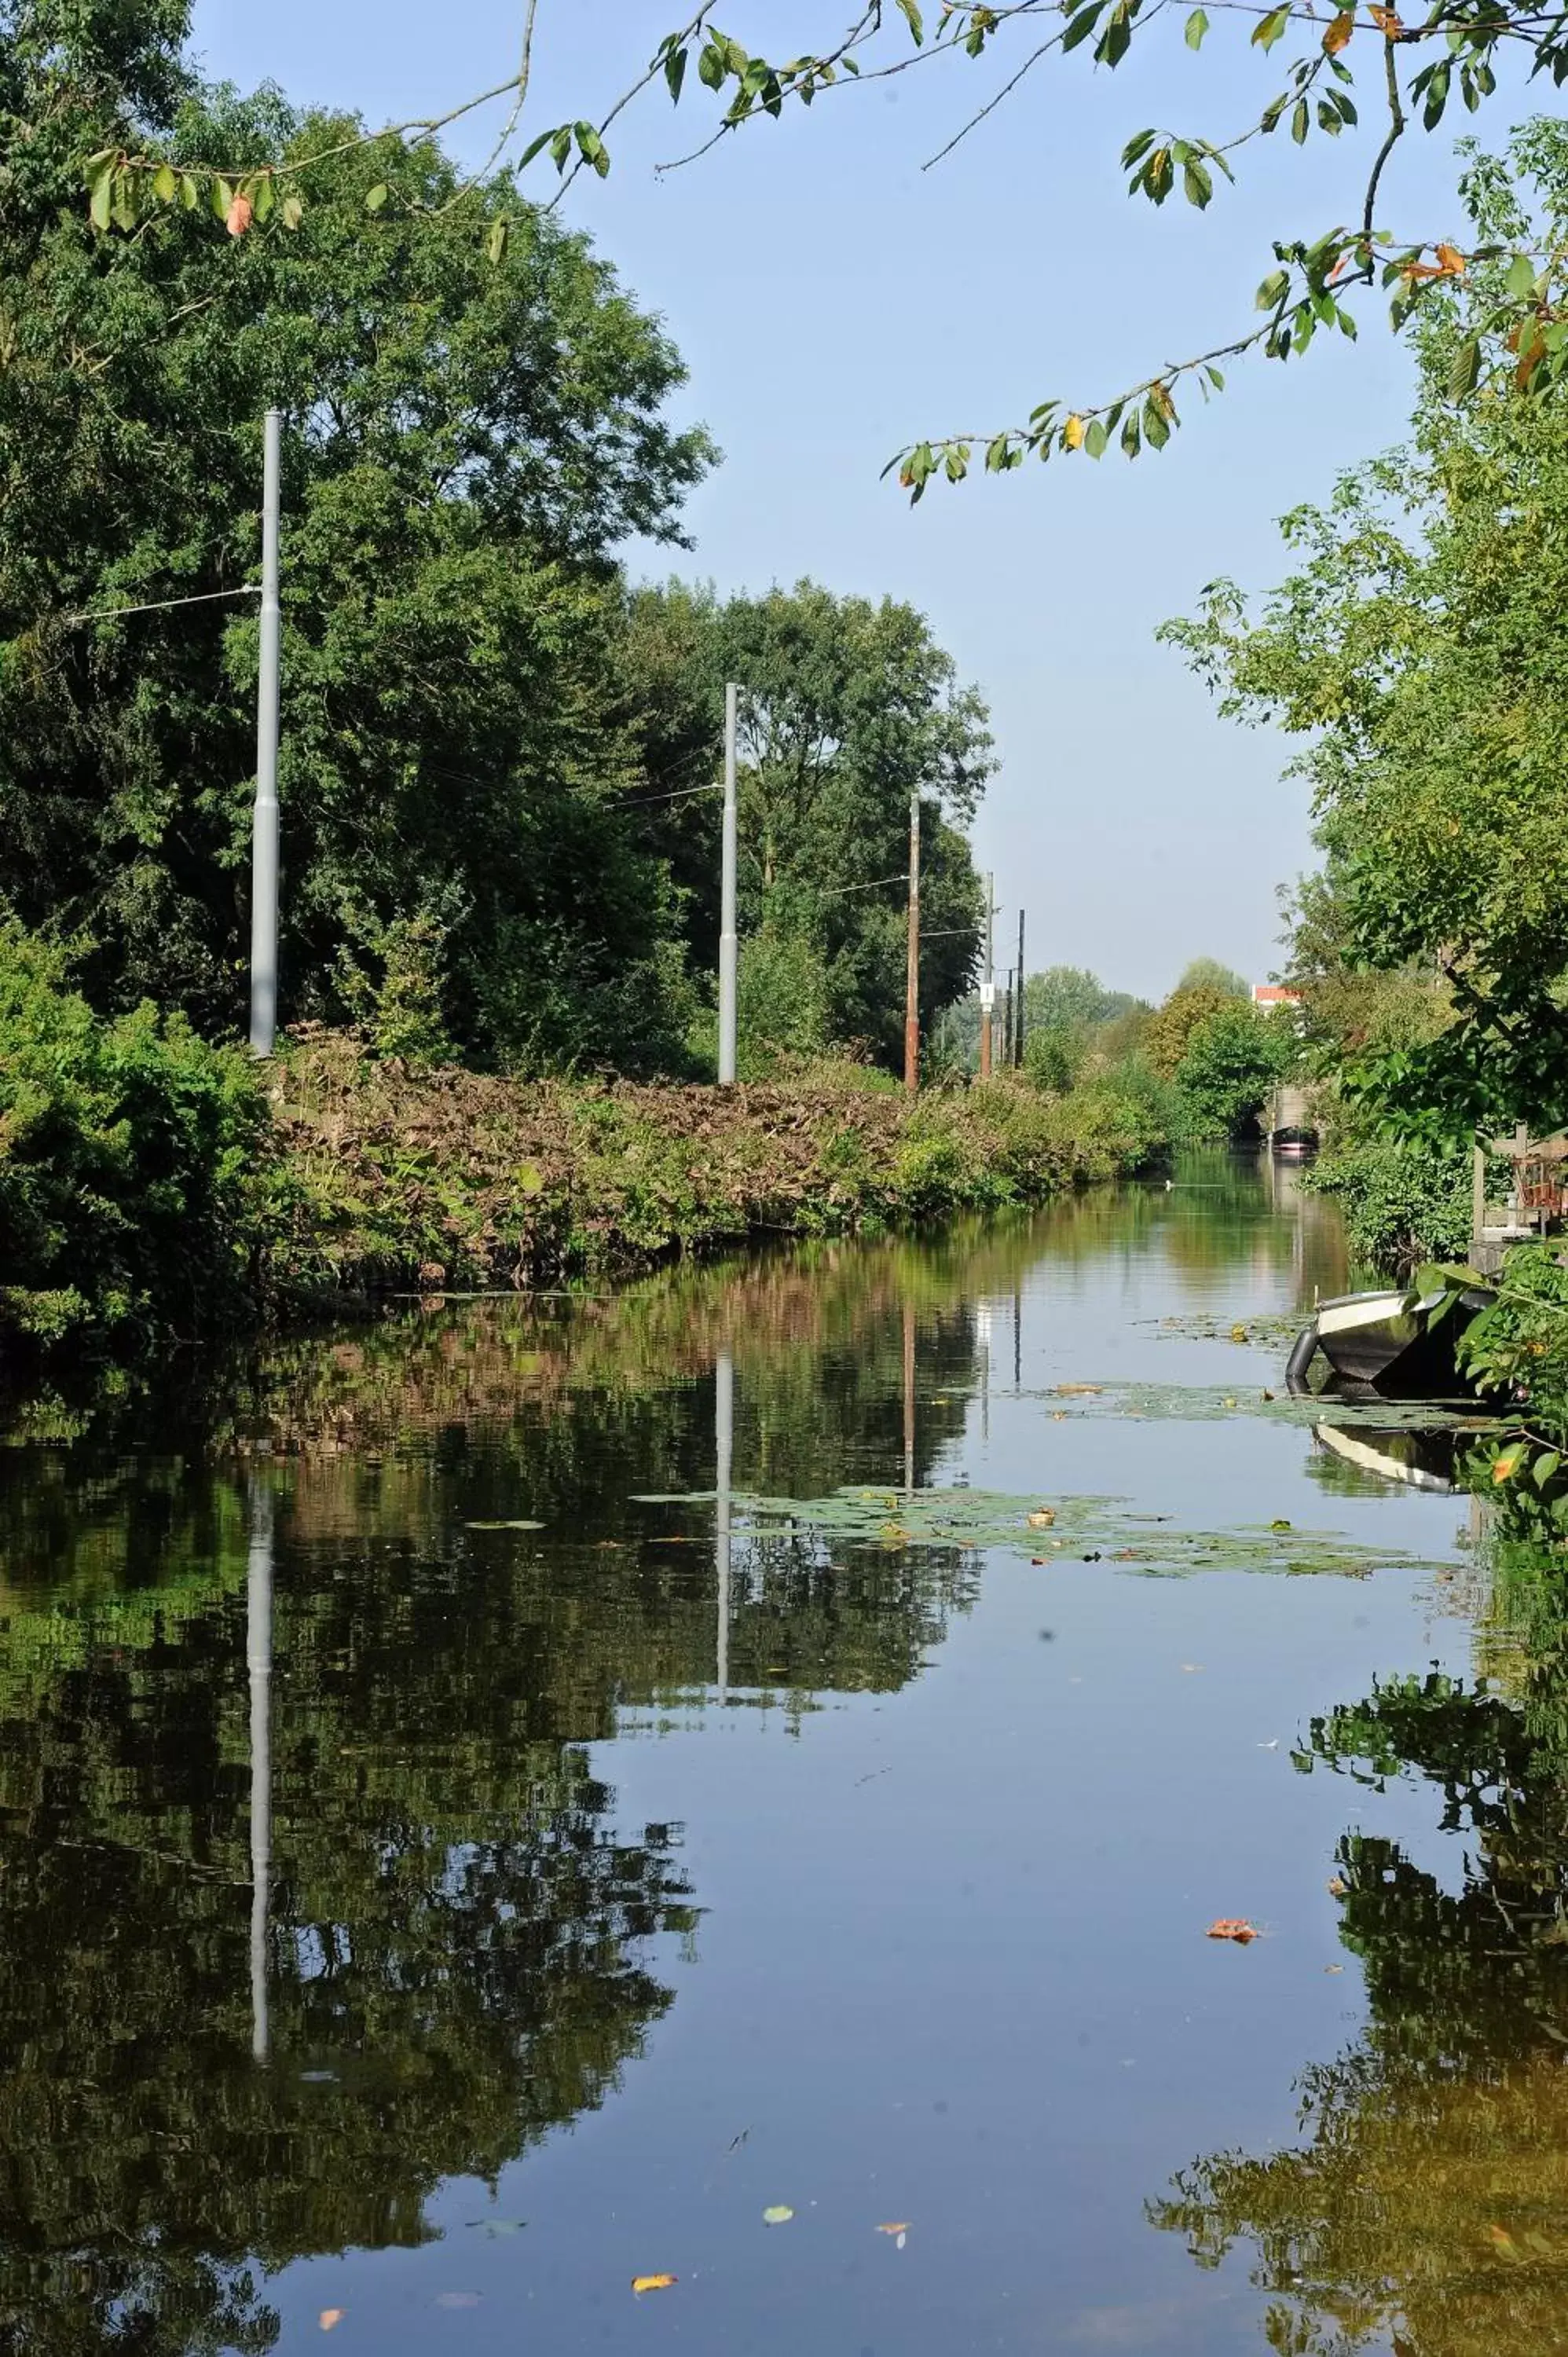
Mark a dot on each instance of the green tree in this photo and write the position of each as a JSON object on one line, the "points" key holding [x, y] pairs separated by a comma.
{"points": [[1415, 651], [472, 434], [850, 709], [1233, 1060], [1173, 1024], [1212, 973]]}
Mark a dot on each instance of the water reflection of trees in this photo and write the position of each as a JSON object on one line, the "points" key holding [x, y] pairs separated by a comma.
{"points": [[1428, 2197], [454, 1947]]}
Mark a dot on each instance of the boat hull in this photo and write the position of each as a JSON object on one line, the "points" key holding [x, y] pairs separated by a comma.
{"points": [[1385, 1344]]}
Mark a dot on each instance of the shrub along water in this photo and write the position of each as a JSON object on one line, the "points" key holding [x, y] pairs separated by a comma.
{"points": [[127, 1155]]}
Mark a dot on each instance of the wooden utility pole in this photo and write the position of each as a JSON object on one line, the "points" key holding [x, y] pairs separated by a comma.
{"points": [[912, 972], [988, 983], [1018, 1015]]}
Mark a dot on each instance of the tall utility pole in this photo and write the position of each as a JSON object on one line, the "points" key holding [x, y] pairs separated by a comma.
{"points": [[988, 983], [264, 839], [728, 943], [1018, 1016], [912, 970]]}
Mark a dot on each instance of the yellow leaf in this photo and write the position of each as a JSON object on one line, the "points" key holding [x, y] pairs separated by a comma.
{"points": [[895, 2226], [651, 2283], [1042, 1517], [1386, 21], [1072, 433], [1339, 32], [328, 2317], [1450, 260]]}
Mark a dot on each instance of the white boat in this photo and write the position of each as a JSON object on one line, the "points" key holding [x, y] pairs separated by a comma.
{"points": [[1385, 1342]]}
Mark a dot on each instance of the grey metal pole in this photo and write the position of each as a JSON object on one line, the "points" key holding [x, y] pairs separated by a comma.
{"points": [[723, 1448], [264, 841], [258, 1663], [728, 943], [988, 981], [912, 962]]}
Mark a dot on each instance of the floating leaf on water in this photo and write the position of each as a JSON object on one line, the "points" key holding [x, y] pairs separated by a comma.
{"points": [[778, 2215], [497, 2227], [895, 2226], [1279, 1523], [1239, 1334], [640, 2284], [1232, 1927], [1042, 1517], [329, 2319], [1079, 1391], [517, 1523]]}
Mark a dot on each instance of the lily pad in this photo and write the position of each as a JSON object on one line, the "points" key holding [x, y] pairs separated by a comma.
{"points": [[1084, 1527]]}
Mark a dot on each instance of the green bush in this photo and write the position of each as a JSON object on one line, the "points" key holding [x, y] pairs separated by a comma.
{"points": [[127, 1154], [1402, 1203], [1121, 1119], [1052, 1059]]}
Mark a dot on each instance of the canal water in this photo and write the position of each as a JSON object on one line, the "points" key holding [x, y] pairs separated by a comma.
{"points": [[730, 1785]]}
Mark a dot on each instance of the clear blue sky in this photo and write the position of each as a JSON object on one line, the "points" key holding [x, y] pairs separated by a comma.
{"points": [[832, 299]]}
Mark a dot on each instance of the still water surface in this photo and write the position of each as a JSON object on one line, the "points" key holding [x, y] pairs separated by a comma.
{"points": [[437, 1889]]}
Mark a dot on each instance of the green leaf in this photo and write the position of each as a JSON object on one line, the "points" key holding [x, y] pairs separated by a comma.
{"points": [[711, 66], [1272, 29], [190, 194], [1217, 379], [1520, 280], [916, 22], [376, 197], [262, 193], [1137, 147], [1131, 439], [103, 195], [1545, 1466], [561, 146], [1095, 437], [1197, 25], [1273, 290], [1080, 27], [1157, 426], [496, 240], [293, 211], [675, 72], [536, 147], [123, 199], [219, 196], [1117, 38], [166, 184], [1299, 121], [592, 148], [1199, 185], [1465, 369]]}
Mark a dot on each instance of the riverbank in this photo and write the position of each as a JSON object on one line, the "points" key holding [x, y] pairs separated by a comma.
{"points": [[154, 1187], [392, 1178]]}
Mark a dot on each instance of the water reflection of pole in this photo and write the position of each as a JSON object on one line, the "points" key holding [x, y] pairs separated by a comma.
{"points": [[723, 1446], [908, 1400], [259, 1662]]}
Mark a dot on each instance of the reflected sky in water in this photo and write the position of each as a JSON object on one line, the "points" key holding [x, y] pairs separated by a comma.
{"points": [[440, 1887]]}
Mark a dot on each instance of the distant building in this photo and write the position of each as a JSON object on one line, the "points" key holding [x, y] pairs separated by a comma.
{"points": [[1269, 994]]}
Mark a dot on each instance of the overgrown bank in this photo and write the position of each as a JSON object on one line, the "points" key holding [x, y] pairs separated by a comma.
{"points": [[150, 1184], [389, 1176]]}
